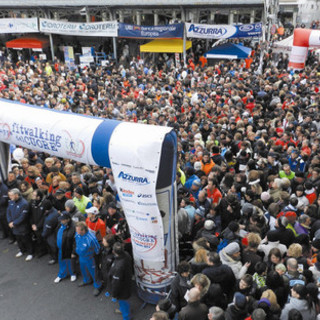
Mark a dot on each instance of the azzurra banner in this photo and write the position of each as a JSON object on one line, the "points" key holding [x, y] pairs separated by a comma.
{"points": [[206, 31], [169, 31]]}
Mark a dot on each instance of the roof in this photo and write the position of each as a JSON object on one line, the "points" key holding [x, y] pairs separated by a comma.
{"points": [[168, 46], [117, 3]]}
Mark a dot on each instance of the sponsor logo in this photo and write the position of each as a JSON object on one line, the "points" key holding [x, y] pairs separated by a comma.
{"points": [[144, 241], [74, 147], [5, 131], [218, 31], [133, 179], [144, 195], [258, 26], [154, 220], [127, 200], [138, 218], [126, 193], [246, 28], [146, 203]]}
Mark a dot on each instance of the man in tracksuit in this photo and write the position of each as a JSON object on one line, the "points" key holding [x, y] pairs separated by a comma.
{"points": [[86, 246]]}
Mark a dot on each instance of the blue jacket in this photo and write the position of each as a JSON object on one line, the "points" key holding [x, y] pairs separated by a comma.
{"points": [[18, 213], [87, 245], [3, 199], [50, 224]]}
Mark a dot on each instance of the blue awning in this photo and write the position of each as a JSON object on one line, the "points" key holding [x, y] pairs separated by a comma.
{"points": [[229, 51]]}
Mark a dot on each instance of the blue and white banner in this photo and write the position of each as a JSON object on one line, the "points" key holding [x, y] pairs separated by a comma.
{"points": [[19, 25], [91, 29], [206, 31], [170, 31]]}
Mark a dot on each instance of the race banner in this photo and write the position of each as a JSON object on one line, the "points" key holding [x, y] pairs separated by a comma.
{"points": [[21, 25], [51, 132], [170, 31], [206, 31], [135, 177], [91, 29], [69, 57]]}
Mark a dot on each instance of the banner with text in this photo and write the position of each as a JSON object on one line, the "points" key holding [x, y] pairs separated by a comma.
{"points": [[135, 177], [21, 25], [206, 31], [91, 29], [170, 31], [55, 133]]}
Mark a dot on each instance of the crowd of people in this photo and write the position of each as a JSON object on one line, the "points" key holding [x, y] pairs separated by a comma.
{"points": [[248, 179]]}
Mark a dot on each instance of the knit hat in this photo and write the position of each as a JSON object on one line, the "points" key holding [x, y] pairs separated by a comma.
{"points": [[265, 196], [266, 301], [196, 183], [272, 236], [291, 215], [79, 191], [209, 225], [240, 300], [200, 212], [258, 314], [69, 204], [233, 226], [197, 165], [232, 248]]}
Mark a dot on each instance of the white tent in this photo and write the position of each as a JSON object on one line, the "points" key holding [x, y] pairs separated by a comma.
{"points": [[284, 45]]}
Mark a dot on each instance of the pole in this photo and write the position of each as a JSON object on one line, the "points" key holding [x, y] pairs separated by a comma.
{"points": [[114, 42], [50, 38], [184, 45]]}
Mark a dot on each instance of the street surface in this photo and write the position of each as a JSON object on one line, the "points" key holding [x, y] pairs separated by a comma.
{"points": [[27, 292]]}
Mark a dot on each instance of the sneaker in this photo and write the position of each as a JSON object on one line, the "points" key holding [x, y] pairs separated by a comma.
{"points": [[57, 280], [51, 262], [117, 311], [19, 254], [97, 291], [83, 284], [29, 257], [73, 278]]}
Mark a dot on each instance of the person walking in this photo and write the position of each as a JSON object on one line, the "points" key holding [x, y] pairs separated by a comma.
{"points": [[120, 275]]}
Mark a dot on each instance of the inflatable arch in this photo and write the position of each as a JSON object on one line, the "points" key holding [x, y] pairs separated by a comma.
{"points": [[302, 40], [143, 161]]}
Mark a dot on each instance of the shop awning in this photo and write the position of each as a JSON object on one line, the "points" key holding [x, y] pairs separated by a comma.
{"points": [[165, 46], [229, 51], [28, 43]]}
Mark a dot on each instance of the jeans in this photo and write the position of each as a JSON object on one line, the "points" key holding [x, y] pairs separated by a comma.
{"points": [[125, 309]]}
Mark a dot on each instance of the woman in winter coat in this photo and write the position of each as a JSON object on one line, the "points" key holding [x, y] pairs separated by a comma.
{"points": [[299, 300]]}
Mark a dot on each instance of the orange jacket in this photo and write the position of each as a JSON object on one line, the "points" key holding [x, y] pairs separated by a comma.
{"points": [[206, 167], [98, 228]]}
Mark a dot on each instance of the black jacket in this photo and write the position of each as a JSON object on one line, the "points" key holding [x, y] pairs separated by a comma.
{"points": [[232, 313], [194, 311], [120, 275], [223, 275], [37, 214], [68, 240], [179, 287], [3, 199]]}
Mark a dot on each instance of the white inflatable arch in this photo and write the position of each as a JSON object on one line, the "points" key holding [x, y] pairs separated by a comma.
{"points": [[143, 162], [302, 40]]}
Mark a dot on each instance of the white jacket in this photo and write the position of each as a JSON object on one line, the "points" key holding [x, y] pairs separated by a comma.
{"points": [[266, 247], [237, 267]]}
